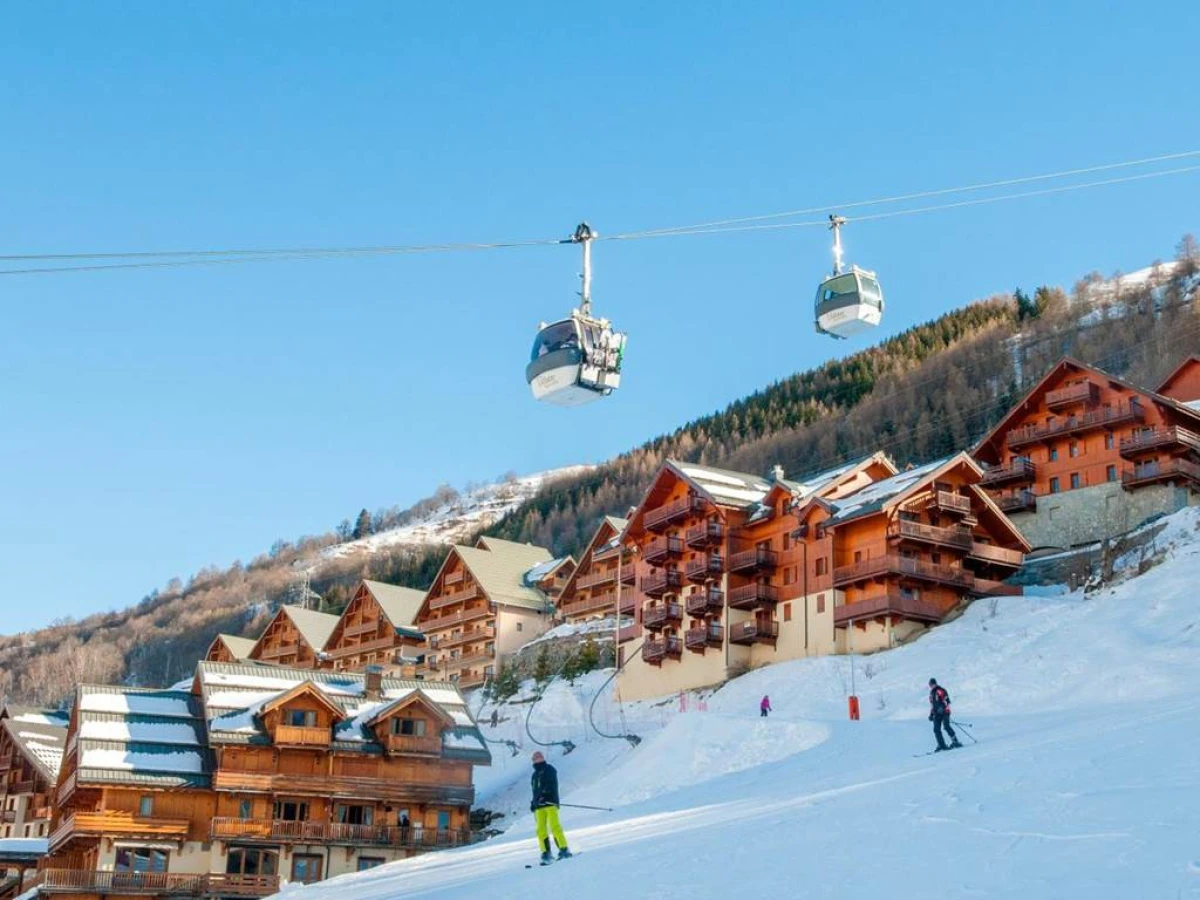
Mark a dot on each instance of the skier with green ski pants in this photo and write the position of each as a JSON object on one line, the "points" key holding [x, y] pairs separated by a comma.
{"points": [[544, 806]]}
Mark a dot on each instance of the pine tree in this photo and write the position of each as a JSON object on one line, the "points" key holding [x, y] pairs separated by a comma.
{"points": [[362, 525]]}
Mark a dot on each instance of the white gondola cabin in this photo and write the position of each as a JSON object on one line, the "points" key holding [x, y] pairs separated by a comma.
{"points": [[847, 303]]}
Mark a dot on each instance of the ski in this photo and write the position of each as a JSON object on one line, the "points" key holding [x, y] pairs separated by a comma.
{"points": [[552, 862]]}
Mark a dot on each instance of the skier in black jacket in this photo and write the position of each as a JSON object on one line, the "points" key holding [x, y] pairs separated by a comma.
{"points": [[939, 715], [544, 806]]}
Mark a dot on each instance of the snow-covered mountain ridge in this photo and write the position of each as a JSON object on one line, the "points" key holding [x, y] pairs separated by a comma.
{"points": [[1084, 781]]}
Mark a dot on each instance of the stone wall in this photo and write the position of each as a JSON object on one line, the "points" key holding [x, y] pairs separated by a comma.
{"points": [[1086, 515]]}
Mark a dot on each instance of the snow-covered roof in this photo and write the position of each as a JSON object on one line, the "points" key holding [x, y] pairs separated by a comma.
{"points": [[535, 574], [875, 496], [726, 487], [39, 735], [233, 696]]}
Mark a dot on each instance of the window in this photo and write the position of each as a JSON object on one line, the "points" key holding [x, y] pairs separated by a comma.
{"points": [[410, 727], [787, 612], [1110, 474], [139, 859], [306, 868], [1053, 454], [369, 862], [245, 809], [345, 814], [1108, 441], [443, 820], [935, 558], [146, 806], [251, 861], [1054, 485], [787, 575], [1073, 449], [520, 626], [820, 603], [302, 718], [821, 565], [787, 540], [858, 556], [1076, 481], [291, 810]]}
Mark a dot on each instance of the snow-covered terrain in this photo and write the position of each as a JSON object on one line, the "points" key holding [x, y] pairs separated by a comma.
{"points": [[470, 511], [1085, 781]]}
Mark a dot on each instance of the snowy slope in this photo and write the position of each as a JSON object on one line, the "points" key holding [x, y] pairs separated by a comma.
{"points": [[473, 510], [1085, 781]]}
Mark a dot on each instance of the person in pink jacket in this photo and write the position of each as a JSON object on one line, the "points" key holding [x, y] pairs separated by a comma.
{"points": [[765, 706]]}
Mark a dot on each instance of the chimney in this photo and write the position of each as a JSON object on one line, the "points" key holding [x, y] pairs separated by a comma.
{"points": [[777, 472], [373, 683]]}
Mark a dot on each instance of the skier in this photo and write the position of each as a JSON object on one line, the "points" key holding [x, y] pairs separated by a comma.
{"points": [[765, 706], [939, 715], [544, 806]]}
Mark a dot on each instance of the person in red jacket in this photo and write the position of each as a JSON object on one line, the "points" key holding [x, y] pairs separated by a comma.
{"points": [[939, 715], [764, 707]]}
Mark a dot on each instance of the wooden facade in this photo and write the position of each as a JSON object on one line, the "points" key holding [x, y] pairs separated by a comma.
{"points": [[593, 588], [1080, 427], [295, 637], [255, 774], [481, 608], [378, 628], [229, 648], [31, 745]]}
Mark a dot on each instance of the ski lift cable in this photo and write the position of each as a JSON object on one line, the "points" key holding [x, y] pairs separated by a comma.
{"points": [[179, 258], [567, 745], [633, 739]]}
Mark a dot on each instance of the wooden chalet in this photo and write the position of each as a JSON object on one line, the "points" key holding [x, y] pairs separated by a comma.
{"points": [[591, 591], [551, 577], [377, 627], [1085, 455], [31, 748], [295, 637], [480, 608], [230, 648], [256, 773], [716, 567]]}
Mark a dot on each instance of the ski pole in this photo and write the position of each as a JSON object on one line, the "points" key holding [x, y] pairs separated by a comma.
{"points": [[580, 806], [966, 730]]}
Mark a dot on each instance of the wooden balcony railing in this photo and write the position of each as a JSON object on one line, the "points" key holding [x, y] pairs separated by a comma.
{"points": [[8, 815], [459, 596], [662, 615], [475, 678], [606, 601], [749, 596], [659, 583], [1172, 437], [473, 659], [703, 535], [478, 633], [707, 565], [368, 627], [90, 881], [1073, 393], [1170, 470], [224, 828], [66, 789], [1018, 501], [453, 578], [1097, 418], [343, 785], [6, 762], [756, 559], [888, 603], [21, 787], [628, 573], [889, 565], [664, 515], [702, 602], [754, 632], [662, 548], [950, 502], [383, 643], [591, 579], [277, 651], [654, 652], [629, 602], [1019, 471], [955, 536], [118, 825], [700, 639], [301, 736], [425, 745], [1000, 556], [467, 615], [628, 633]]}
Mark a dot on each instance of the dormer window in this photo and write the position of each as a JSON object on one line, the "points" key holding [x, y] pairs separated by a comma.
{"points": [[302, 718], [409, 727]]}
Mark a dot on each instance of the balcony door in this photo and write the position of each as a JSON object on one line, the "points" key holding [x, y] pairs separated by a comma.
{"points": [[252, 861], [306, 868], [140, 859]]}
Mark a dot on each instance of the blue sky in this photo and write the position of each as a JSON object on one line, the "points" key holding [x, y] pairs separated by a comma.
{"points": [[158, 421]]}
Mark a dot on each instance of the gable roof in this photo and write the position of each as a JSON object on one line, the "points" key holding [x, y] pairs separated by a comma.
{"points": [[315, 627], [500, 570], [305, 687], [400, 604], [1188, 363], [544, 570], [39, 735], [874, 497], [240, 647], [233, 696], [417, 696], [723, 486]]}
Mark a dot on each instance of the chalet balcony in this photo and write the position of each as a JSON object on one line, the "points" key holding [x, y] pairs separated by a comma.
{"points": [[991, 555], [473, 659], [1072, 395], [658, 519], [700, 639], [160, 884], [8, 816], [278, 651], [661, 583], [748, 562], [629, 574], [412, 745], [1178, 470], [950, 502], [1018, 501], [369, 627], [459, 596], [704, 602], [21, 787], [67, 789], [467, 615], [888, 603], [1019, 471], [326, 785], [629, 602], [1172, 439], [6, 762], [661, 549], [280, 831], [118, 826], [898, 566], [656, 617], [1108, 417], [604, 602], [591, 579], [628, 633], [477, 678], [478, 633], [300, 736], [708, 565], [754, 632], [956, 537], [383, 643], [705, 535], [752, 596], [654, 652]]}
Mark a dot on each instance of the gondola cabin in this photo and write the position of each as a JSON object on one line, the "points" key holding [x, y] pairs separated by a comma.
{"points": [[849, 303], [575, 361]]}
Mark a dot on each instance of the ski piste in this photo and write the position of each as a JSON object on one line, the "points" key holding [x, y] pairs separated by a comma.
{"points": [[931, 752], [574, 853]]}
